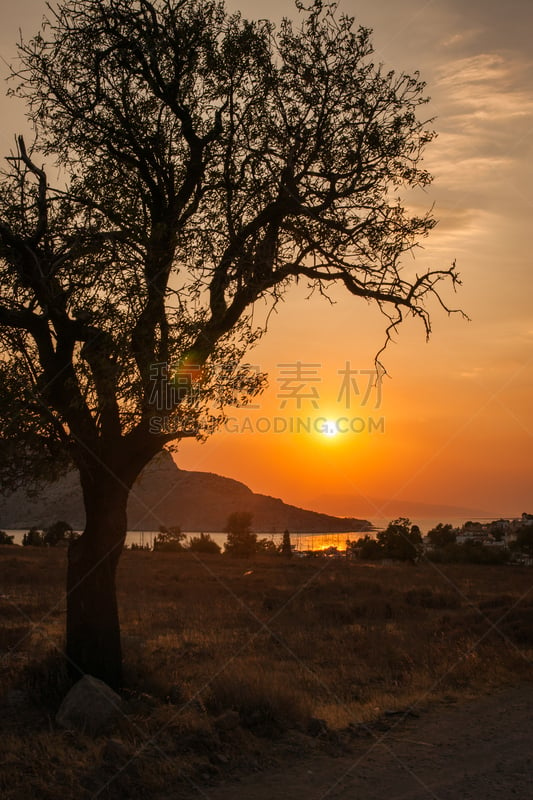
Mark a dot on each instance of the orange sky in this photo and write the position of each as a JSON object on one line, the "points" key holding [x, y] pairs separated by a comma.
{"points": [[454, 423]]}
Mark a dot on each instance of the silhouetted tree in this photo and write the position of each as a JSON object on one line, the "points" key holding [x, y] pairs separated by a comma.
{"points": [[442, 535], [266, 547], [6, 538], [240, 542], [203, 543], [524, 539], [366, 548], [286, 546], [58, 532], [170, 539], [33, 538], [400, 540], [207, 163]]}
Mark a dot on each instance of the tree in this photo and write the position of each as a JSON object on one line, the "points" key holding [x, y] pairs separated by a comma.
{"points": [[6, 538], [58, 532], [240, 542], [170, 539], [33, 538], [207, 163], [524, 539], [366, 548], [400, 540], [442, 535], [286, 546], [266, 547]]}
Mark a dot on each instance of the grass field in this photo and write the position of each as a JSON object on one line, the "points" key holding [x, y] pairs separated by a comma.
{"points": [[284, 643]]}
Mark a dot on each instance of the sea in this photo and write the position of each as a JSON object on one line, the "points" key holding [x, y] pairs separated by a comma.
{"points": [[300, 541]]}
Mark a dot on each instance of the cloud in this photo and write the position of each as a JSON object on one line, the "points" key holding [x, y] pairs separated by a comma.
{"points": [[484, 89], [458, 40]]}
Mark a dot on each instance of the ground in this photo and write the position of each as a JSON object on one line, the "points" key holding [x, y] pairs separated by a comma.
{"points": [[480, 749], [276, 678]]}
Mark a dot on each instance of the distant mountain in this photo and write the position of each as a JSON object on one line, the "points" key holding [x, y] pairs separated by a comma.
{"points": [[167, 495], [392, 509]]}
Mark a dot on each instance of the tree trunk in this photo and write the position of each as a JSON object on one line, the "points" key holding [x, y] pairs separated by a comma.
{"points": [[93, 629]]}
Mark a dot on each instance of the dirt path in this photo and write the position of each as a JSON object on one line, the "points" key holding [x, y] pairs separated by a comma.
{"points": [[477, 750]]}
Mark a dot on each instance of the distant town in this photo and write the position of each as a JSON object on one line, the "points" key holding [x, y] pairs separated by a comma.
{"points": [[493, 542]]}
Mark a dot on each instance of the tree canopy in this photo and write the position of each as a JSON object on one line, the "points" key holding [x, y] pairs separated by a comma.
{"points": [[206, 163]]}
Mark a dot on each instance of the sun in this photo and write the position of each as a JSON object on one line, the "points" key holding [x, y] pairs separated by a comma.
{"points": [[329, 428]]}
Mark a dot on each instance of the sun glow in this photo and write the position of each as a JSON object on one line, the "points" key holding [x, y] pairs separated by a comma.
{"points": [[330, 428]]}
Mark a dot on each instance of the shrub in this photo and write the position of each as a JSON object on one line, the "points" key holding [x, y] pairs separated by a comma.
{"points": [[59, 531], [34, 538], [203, 544]]}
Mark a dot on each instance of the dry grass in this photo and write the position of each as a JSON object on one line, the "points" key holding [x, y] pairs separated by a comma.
{"points": [[279, 642]]}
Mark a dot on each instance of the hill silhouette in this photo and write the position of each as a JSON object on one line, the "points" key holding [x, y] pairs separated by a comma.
{"points": [[167, 495]]}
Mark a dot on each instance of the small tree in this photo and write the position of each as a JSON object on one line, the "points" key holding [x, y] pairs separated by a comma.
{"points": [[5, 538], [240, 542], [442, 535], [286, 546], [169, 539], [203, 543], [400, 540], [266, 547], [59, 531], [34, 538]]}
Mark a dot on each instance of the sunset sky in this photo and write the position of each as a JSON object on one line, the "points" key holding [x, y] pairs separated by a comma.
{"points": [[453, 425]]}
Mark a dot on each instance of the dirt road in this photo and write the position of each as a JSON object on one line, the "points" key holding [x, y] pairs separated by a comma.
{"points": [[476, 750]]}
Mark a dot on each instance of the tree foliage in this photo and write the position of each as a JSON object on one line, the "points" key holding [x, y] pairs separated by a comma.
{"points": [[524, 539], [170, 539], [400, 540], [33, 538], [240, 542], [203, 543], [442, 534], [286, 546], [59, 531], [209, 162]]}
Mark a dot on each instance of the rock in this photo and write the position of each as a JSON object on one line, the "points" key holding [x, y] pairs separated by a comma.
{"points": [[91, 706], [227, 721]]}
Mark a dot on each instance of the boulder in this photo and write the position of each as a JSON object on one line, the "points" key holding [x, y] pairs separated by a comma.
{"points": [[91, 706]]}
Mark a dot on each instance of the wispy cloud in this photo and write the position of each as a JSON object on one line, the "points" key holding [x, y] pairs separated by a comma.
{"points": [[485, 90]]}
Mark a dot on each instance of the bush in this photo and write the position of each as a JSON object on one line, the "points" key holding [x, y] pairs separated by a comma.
{"points": [[442, 535], [59, 531], [5, 538], [203, 544], [366, 548], [34, 538], [471, 552]]}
